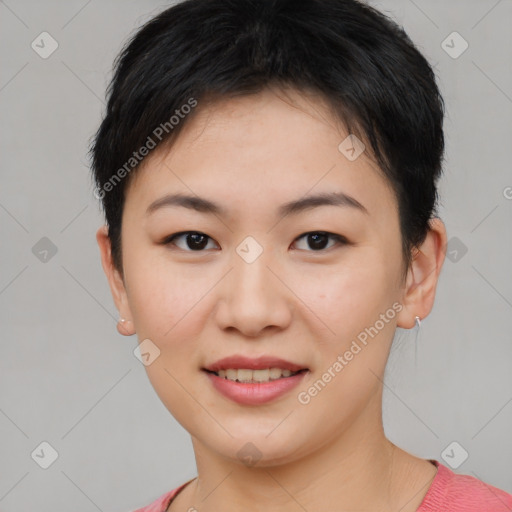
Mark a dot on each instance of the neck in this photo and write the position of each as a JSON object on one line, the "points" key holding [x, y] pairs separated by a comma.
{"points": [[359, 469]]}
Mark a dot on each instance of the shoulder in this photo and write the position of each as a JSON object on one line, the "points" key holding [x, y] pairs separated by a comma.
{"points": [[463, 493], [161, 504]]}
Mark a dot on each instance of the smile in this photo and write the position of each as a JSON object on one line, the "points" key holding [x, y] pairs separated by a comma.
{"points": [[243, 387], [253, 376]]}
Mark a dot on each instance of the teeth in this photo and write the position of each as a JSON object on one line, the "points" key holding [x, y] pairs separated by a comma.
{"points": [[243, 375], [230, 374], [275, 373], [261, 375]]}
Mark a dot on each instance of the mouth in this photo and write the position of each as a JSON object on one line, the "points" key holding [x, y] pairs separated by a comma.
{"points": [[254, 381], [247, 387], [238, 368], [248, 376]]}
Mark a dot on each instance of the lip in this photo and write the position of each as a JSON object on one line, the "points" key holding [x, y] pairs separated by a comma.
{"points": [[254, 393], [259, 363]]}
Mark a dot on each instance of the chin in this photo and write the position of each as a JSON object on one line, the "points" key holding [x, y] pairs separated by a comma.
{"points": [[258, 448]]}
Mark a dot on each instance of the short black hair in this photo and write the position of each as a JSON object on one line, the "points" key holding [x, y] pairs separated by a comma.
{"points": [[377, 83]]}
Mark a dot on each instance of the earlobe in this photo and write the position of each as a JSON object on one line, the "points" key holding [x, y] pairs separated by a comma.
{"points": [[125, 327], [423, 275], [115, 282]]}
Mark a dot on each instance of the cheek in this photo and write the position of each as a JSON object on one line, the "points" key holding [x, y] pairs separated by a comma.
{"points": [[350, 303], [165, 300], [347, 297]]}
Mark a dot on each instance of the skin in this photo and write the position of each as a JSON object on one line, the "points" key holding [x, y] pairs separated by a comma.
{"points": [[251, 155]]}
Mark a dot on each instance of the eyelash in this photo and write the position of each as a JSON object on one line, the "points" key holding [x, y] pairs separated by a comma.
{"points": [[341, 240]]}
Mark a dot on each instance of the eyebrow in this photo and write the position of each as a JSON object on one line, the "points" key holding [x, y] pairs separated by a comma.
{"points": [[203, 205]]}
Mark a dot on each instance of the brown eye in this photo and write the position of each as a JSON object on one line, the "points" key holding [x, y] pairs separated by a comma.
{"points": [[318, 240], [193, 240]]}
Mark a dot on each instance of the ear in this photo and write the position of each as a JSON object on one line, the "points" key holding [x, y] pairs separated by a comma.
{"points": [[422, 277], [116, 282]]}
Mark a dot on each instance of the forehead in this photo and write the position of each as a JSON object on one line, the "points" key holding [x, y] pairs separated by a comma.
{"points": [[259, 149]]}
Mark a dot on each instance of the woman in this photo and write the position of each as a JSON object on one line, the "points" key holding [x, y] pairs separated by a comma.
{"points": [[268, 171]]}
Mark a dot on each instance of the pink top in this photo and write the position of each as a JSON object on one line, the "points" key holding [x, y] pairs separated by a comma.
{"points": [[447, 492]]}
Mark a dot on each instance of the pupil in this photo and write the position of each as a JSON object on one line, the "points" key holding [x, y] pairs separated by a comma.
{"points": [[319, 240], [197, 243]]}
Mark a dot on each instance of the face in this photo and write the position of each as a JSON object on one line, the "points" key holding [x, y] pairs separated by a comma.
{"points": [[259, 270]]}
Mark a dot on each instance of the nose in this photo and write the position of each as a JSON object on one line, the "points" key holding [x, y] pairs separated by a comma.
{"points": [[252, 297]]}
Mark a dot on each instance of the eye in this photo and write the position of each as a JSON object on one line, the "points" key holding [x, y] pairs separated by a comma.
{"points": [[194, 240], [319, 239]]}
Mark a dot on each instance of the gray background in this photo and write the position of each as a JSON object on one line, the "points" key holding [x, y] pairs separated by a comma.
{"points": [[68, 378]]}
